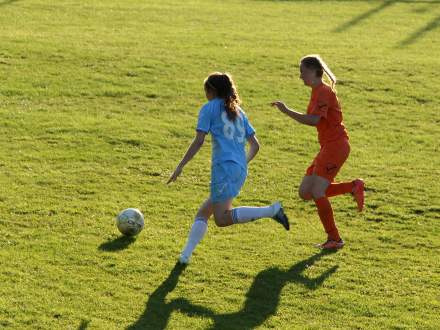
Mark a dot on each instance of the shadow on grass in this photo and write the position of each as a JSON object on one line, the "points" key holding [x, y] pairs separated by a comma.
{"points": [[117, 244], [400, 1], [262, 298], [358, 19], [382, 5], [432, 25], [83, 325], [157, 311], [7, 2]]}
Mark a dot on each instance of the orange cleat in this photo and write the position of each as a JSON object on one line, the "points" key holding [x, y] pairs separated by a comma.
{"points": [[359, 193]]}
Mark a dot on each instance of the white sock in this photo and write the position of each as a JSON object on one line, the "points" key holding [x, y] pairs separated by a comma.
{"points": [[245, 214], [198, 230]]}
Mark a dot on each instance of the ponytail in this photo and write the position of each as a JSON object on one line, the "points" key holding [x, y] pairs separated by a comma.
{"points": [[329, 74], [224, 87]]}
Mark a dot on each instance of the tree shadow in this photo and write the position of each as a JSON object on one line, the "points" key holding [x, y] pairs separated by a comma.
{"points": [[262, 299], [117, 244], [7, 2], [435, 23], [362, 17], [432, 25], [402, 1]]}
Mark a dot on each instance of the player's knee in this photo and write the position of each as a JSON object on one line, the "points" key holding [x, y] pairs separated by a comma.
{"points": [[221, 224], [219, 219], [317, 193], [222, 218], [205, 211], [304, 194]]}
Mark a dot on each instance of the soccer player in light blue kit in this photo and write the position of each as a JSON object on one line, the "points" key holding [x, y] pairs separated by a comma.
{"points": [[230, 130]]}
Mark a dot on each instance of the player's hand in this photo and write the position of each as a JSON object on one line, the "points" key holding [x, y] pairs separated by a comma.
{"points": [[280, 105], [175, 174]]}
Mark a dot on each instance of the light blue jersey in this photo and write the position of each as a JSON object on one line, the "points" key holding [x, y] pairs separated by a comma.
{"points": [[228, 137]]}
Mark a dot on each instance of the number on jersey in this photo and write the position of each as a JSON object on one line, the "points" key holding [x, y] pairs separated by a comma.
{"points": [[230, 128]]}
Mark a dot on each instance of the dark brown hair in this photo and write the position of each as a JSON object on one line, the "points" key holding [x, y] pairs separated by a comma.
{"points": [[223, 87], [315, 62]]}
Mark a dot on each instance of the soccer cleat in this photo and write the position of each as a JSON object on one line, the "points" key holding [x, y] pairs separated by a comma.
{"points": [[183, 260], [280, 216], [331, 245], [359, 193]]}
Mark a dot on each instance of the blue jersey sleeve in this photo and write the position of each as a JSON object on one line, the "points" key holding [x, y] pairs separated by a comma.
{"points": [[204, 121]]}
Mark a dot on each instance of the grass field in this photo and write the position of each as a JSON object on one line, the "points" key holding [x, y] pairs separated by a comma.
{"points": [[98, 101]]}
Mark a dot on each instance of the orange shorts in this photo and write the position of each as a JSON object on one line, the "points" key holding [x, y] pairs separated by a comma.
{"points": [[330, 159]]}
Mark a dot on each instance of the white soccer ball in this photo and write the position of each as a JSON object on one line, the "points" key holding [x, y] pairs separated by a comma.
{"points": [[130, 222]]}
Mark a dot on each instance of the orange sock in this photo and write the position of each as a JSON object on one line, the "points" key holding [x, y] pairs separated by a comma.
{"points": [[335, 189], [325, 212]]}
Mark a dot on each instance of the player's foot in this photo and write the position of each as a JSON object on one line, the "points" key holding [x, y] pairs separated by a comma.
{"points": [[280, 216], [359, 193], [184, 260], [331, 245]]}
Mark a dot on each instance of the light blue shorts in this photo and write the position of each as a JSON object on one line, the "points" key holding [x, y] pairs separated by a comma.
{"points": [[226, 181]]}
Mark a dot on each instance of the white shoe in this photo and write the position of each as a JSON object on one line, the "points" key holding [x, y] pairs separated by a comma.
{"points": [[184, 260]]}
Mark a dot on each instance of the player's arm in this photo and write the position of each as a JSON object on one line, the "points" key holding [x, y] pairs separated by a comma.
{"points": [[306, 119], [254, 146], [190, 153]]}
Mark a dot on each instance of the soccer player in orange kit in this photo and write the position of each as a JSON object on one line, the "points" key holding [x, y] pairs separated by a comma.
{"points": [[325, 113]]}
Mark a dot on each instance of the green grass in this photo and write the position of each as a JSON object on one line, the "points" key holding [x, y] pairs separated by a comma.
{"points": [[98, 101]]}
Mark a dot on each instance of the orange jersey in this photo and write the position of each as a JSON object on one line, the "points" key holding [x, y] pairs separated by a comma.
{"points": [[324, 103]]}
